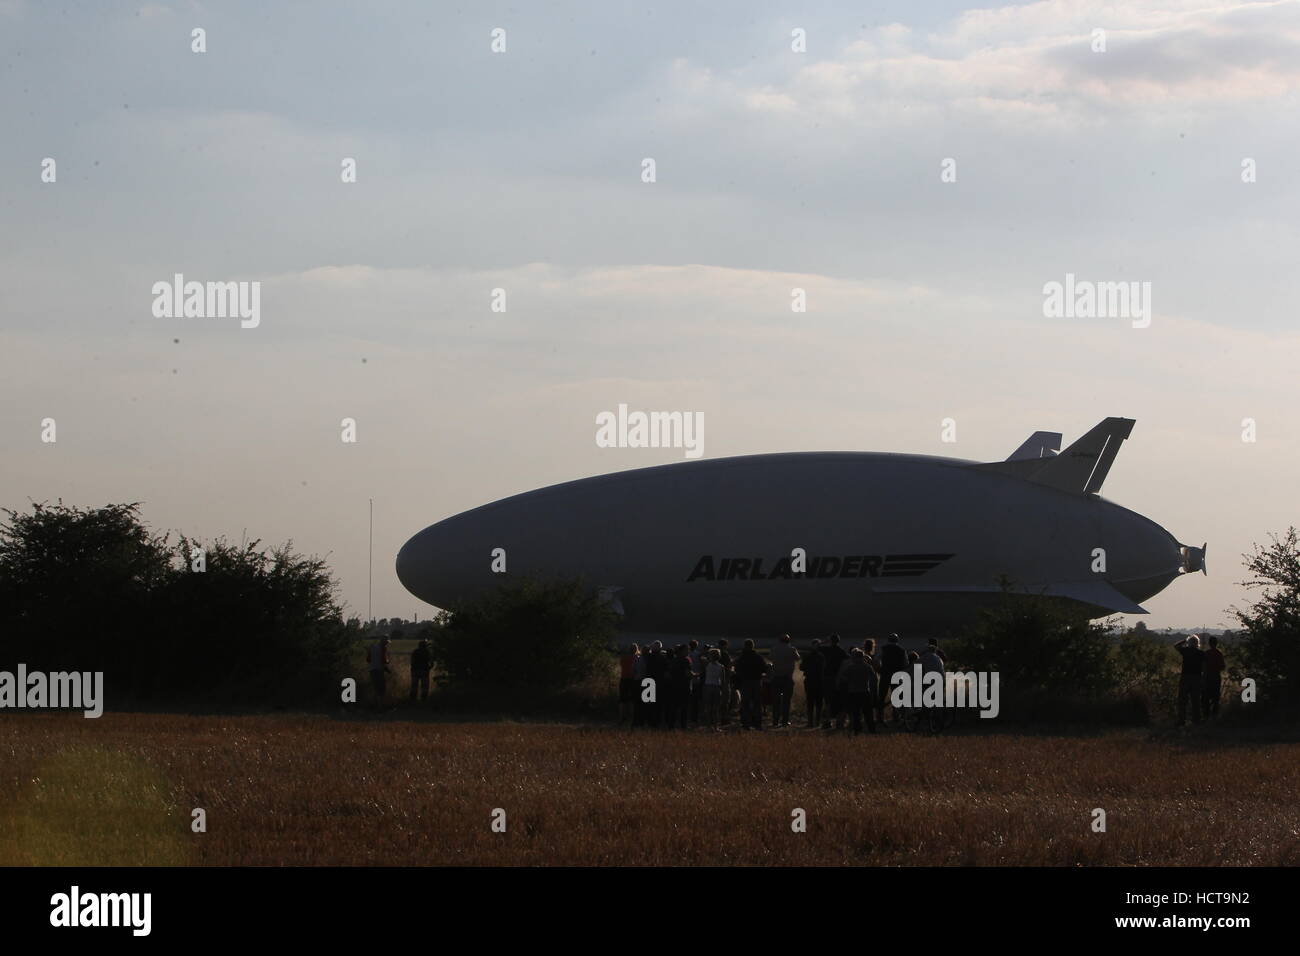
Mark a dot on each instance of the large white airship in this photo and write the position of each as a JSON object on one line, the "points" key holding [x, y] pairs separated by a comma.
{"points": [[811, 543]]}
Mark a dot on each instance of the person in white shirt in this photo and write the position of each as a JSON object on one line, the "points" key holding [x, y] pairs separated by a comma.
{"points": [[379, 669], [714, 673]]}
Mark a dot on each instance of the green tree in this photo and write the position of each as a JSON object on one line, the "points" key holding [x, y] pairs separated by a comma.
{"points": [[78, 585], [548, 634], [263, 622], [1045, 652], [95, 589], [1144, 672], [1270, 644]]}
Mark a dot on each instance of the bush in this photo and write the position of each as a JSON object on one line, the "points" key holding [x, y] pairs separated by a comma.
{"points": [[1144, 674], [1036, 643], [263, 624], [95, 590], [538, 633], [1270, 645]]}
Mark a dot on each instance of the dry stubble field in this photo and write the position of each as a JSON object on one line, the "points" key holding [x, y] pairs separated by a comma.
{"points": [[315, 790]]}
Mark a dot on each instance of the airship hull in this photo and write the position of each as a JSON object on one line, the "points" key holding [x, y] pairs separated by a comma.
{"points": [[805, 543]]}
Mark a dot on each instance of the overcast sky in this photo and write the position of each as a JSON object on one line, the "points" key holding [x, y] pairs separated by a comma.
{"points": [[522, 170]]}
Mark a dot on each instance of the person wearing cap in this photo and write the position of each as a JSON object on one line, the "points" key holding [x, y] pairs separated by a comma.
{"points": [[1190, 682]]}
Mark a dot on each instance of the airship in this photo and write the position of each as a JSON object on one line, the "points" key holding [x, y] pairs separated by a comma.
{"points": [[810, 543]]}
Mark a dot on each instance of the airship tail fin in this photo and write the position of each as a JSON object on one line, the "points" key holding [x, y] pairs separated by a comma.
{"points": [[1084, 465], [1038, 445]]}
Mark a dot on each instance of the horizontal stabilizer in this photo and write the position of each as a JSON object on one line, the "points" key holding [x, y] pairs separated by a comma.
{"points": [[1097, 593]]}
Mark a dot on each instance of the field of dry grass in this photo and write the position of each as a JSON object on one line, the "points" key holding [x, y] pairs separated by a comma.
{"points": [[314, 790]]}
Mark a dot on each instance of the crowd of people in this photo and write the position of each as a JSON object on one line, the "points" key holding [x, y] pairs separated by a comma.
{"points": [[697, 685], [379, 662]]}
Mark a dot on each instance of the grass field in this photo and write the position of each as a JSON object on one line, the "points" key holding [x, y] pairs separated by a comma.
{"points": [[295, 789]]}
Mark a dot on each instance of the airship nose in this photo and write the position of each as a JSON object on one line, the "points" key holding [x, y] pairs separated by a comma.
{"points": [[437, 565], [417, 564], [1142, 557]]}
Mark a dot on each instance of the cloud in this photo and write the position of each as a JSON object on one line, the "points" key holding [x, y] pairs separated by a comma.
{"points": [[776, 171], [1033, 64]]}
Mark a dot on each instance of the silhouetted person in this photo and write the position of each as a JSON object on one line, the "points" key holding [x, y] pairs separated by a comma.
{"points": [[421, 663], [858, 682], [697, 684], [932, 660], [656, 668], [640, 709], [728, 679], [378, 655], [784, 659], [892, 660], [932, 663], [680, 676], [813, 666], [749, 671], [1213, 679], [834, 656], [1190, 684]]}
